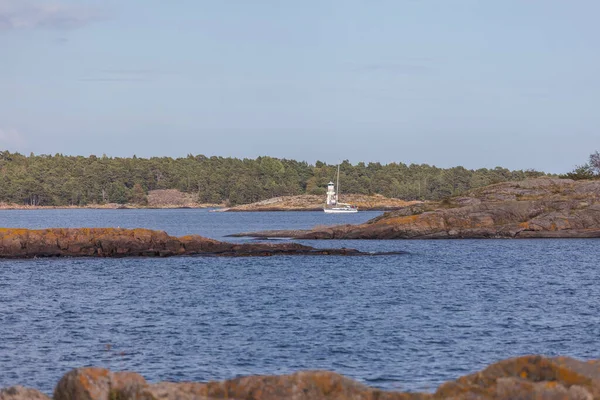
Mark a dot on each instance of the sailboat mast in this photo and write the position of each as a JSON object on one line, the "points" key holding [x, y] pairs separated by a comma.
{"points": [[337, 194]]}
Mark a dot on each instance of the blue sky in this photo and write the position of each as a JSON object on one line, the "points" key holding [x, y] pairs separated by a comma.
{"points": [[450, 82]]}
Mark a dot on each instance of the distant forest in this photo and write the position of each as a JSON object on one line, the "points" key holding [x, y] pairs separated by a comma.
{"points": [[58, 180]]}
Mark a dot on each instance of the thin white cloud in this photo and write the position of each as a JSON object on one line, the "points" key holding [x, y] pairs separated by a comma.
{"points": [[114, 80], [11, 138], [407, 69], [126, 75], [43, 14]]}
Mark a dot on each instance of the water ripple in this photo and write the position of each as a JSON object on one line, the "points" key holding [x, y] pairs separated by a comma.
{"points": [[405, 322]]}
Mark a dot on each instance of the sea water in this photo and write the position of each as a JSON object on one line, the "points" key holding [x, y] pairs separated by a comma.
{"points": [[403, 322]]}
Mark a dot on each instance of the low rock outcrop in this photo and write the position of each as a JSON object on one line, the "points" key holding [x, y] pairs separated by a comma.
{"points": [[21, 393], [173, 198], [307, 202], [116, 242], [523, 378], [537, 208]]}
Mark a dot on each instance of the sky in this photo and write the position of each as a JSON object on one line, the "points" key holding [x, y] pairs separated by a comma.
{"points": [[475, 83]]}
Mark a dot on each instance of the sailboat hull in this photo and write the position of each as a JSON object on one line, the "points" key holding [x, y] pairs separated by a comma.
{"points": [[340, 210]]}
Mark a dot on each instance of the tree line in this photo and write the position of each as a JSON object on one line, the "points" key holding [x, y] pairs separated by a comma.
{"points": [[589, 170], [59, 180]]}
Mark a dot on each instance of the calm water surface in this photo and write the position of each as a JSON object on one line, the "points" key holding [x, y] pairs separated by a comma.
{"points": [[404, 322]]}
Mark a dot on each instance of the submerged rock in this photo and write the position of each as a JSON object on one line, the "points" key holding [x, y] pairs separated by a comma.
{"points": [[116, 242], [523, 378], [537, 208]]}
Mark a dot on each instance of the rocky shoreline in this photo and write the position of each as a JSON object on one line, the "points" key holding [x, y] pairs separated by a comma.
{"points": [[536, 208], [117, 242], [174, 199], [523, 378], [156, 199], [111, 206], [315, 203]]}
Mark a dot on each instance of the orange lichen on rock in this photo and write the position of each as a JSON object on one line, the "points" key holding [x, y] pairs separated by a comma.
{"points": [[117, 242], [404, 220], [524, 225]]}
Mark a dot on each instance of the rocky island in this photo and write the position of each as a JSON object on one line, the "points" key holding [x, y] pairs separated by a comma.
{"points": [[307, 202], [117, 242], [528, 377], [536, 208]]}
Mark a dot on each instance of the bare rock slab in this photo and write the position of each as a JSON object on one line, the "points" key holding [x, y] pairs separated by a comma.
{"points": [[536, 208], [116, 242]]}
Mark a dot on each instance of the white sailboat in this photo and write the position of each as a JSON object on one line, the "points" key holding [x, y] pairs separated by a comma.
{"points": [[332, 205]]}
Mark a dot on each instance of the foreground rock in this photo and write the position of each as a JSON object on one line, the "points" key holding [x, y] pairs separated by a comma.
{"points": [[309, 202], [537, 208], [101, 384], [523, 378], [111, 242], [21, 393]]}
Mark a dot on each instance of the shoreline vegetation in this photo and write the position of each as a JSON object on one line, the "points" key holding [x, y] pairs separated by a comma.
{"points": [[59, 180], [197, 181], [527, 377]]}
